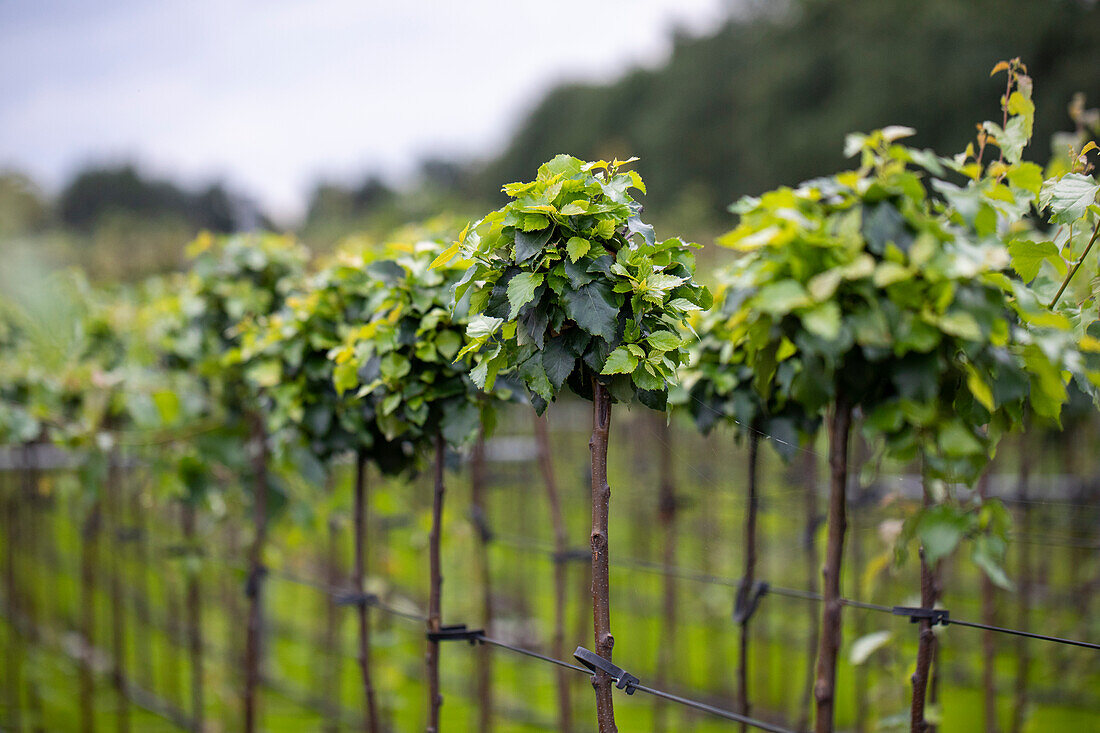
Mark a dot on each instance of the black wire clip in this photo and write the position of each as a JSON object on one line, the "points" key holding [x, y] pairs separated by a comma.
{"points": [[934, 615], [623, 679], [253, 580], [457, 632], [748, 598]]}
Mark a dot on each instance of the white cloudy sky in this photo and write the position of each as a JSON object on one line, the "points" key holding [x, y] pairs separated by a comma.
{"points": [[271, 94]]}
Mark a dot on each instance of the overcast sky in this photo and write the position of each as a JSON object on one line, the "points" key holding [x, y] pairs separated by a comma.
{"points": [[272, 94]]}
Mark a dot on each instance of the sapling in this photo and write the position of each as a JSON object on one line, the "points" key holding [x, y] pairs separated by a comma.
{"points": [[399, 362], [857, 292], [568, 286]]}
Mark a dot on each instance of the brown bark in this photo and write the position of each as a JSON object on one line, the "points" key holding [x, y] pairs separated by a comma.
{"points": [[112, 493], [435, 700], [13, 669], [89, 559], [193, 609], [546, 466], [840, 422], [927, 641], [484, 673], [666, 516], [601, 575], [332, 660], [989, 617], [811, 519], [359, 573], [748, 577], [252, 652], [1023, 610]]}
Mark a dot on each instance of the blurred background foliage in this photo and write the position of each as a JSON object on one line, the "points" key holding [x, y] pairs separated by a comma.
{"points": [[765, 100]]}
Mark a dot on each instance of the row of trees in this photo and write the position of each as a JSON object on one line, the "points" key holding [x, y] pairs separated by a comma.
{"points": [[920, 296]]}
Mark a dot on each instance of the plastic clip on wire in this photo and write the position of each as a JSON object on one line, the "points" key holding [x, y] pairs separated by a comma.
{"points": [[748, 599], [457, 632], [933, 615], [623, 679]]}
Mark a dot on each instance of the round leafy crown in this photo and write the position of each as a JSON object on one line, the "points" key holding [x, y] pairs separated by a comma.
{"points": [[565, 283]]}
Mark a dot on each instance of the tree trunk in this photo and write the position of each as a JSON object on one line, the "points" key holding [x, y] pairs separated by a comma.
{"points": [[333, 661], [840, 423], [370, 720], [989, 617], [601, 575], [484, 675], [546, 465], [811, 518], [435, 700], [1023, 618], [144, 655], [113, 506], [89, 559], [748, 577], [13, 669], [666, 516], [252, 652], [193, 605], [927, 644], [31, 541]]}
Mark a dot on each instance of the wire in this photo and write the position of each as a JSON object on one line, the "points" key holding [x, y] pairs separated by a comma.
{"points": [[1028, 634], [643, 688]]}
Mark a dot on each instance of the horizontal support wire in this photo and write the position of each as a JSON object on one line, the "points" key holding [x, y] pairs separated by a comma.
{"points": [[706, 578]]}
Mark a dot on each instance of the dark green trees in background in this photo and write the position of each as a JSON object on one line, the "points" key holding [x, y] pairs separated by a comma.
{"points": [[768, 97]]}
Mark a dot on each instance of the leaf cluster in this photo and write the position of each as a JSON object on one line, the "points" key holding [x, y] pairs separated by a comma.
{"points": [[566, 282]]}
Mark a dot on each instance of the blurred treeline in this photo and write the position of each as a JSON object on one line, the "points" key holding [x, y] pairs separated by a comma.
{"points": [[763, 101]]}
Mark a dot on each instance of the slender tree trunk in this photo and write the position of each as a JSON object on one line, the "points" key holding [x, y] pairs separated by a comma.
{"points": [[811, 520], [370, 720], [88, 561], [193, 609], [13, 669], [253, 640], [840, 423], [435, 596], [989, 617], [927, 644], [1023, 611], [144, 655], [112, 494], [173, 626], [333, 661], [859, 622], [601, 575], [748, 577], [479, 515], [30, 543], [666, 516], [546, 466]]}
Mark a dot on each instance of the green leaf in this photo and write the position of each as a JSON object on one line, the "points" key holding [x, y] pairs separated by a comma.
{"points": [[577, 247], [445, 256], [521, 289], [558, 362], [940, 529], [167, 403], [1027, 176], [483, 326], [534, 222], [1028, 257], [593, 308], [620, 361], [1068, 197], [575, 208], [345, 377], [823, 320], [664, 340], [528, 245], [782, 297]]}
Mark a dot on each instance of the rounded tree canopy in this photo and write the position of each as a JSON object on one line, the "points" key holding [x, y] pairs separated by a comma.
{"points": [[398, 364], [565, 282], [862, 290]]}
